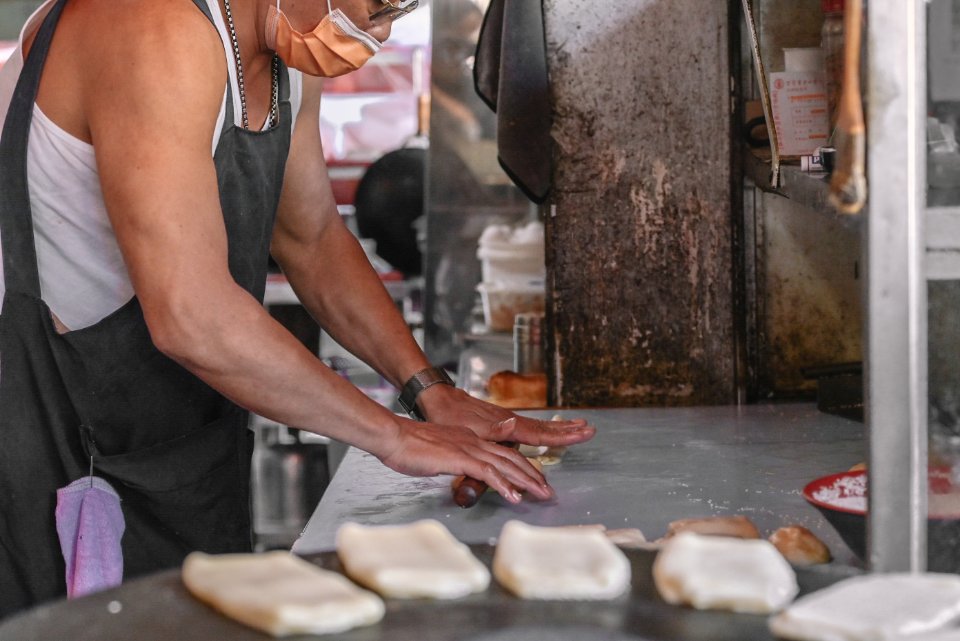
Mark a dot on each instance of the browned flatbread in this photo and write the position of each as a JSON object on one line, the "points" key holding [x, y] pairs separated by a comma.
{"points": [[736, 526], [800, 546], [512, 390]]}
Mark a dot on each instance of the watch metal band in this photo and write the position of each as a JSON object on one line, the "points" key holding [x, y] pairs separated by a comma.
{"points": [[418, 382]]}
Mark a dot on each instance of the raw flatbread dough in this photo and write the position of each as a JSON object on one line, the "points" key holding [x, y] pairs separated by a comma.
{"points": [[559, 563], [724, 573], [875, 607], [279, 593], [953, 634], [416, 560]]}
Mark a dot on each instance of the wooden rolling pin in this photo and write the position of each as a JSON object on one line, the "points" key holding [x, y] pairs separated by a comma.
{"points": [[468, 490]]}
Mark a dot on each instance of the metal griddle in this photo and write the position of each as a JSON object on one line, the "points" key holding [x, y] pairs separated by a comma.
{"points": [[158, 608]]}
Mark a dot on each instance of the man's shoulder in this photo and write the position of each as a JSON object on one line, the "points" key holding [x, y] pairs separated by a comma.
{"points": [[146, 31], [160, 65]]}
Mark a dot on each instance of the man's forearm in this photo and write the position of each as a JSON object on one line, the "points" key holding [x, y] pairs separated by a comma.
{"points": [[343, 292], [227, 339]]}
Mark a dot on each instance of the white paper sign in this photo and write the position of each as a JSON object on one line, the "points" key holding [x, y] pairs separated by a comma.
{"points": [[798, 100]]}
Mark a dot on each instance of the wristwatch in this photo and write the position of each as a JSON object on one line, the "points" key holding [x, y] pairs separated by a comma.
{"points": [[418, 382]]}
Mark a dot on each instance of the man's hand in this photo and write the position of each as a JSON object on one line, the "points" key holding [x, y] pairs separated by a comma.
{"points": [[428, 449], [452, 406]]}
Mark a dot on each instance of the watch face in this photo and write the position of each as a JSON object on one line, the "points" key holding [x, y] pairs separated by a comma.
{"points": [[419, 382]]}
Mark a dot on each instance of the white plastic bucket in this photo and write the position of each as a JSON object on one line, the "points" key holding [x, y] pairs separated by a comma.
{"points": [[512, 256]]}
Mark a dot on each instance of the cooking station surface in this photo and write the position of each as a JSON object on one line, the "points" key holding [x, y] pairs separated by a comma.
{"points": [[644, 468]]}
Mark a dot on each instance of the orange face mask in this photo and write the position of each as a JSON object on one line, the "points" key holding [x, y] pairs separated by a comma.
{"points": [[336, 46]]}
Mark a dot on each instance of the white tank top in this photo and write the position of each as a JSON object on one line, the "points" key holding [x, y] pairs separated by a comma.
{"points": [[82, 275]]}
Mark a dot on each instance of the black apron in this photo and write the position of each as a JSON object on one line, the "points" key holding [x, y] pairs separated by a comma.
{"points": [[177, 452]]}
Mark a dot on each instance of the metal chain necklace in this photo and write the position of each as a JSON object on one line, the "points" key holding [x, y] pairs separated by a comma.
{"points": [[274, 71]]}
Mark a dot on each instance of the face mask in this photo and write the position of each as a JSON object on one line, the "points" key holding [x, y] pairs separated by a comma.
{"points": [[335, 47]]}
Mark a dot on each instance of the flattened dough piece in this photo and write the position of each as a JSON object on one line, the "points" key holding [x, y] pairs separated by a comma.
{"points": [[416, 560], [738, 526], [279, 593], [875, 607], [724, 573], [559, 563]]}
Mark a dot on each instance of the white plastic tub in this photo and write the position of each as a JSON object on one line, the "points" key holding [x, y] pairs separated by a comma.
{"points": [[502, 302]]}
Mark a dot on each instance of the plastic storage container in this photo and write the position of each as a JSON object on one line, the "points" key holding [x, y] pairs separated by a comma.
{"points": [[503, 301], [514, 273], [512, 255]]}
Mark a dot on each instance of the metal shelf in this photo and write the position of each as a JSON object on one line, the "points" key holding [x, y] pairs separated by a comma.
{"points": [[943, 243], [808, 189]]}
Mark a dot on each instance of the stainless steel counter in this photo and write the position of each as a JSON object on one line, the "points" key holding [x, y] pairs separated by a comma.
{"points": [[644, 468]]}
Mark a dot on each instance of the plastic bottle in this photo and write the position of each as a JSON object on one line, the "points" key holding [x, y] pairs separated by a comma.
{"points": [[831, 41]]}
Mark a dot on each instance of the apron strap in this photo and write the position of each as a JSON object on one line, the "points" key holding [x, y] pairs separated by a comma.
{"points": [[228, 107], [20, 270], [283, 96]]}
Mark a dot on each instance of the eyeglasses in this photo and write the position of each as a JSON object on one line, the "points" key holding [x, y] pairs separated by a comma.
{"points": [[394, 10]]}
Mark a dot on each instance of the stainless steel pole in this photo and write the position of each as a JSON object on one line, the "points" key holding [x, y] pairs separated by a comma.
{"points": [[896, 357]]}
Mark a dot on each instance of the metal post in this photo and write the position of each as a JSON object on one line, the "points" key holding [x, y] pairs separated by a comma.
{"points": [[896, 355]]}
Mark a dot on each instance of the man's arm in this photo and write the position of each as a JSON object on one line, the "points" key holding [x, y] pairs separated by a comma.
{"points": [[151, 109], [325, 263], [334, 280]]}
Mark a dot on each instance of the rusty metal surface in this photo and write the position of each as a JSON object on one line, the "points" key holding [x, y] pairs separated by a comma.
{"points": [[810, 294], [638, 238]]}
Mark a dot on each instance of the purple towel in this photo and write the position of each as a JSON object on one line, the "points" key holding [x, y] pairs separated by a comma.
{"points": [[90, 524]]}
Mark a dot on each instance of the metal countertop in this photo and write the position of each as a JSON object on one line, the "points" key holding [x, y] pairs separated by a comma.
{"points": [[645, 468]]}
